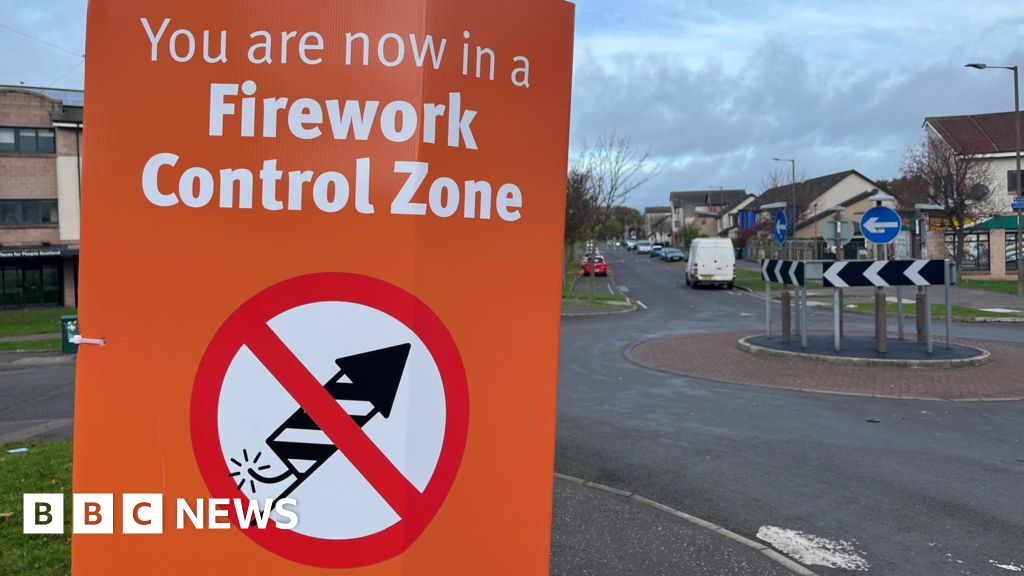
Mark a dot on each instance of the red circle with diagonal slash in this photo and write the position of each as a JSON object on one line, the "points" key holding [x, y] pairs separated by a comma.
{"points": [[248, 326]]}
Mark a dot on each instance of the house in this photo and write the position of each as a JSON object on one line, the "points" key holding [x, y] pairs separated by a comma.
{"points": [[990, 245], [812, 199], [40, 176], [657, 225], [703, 209]]}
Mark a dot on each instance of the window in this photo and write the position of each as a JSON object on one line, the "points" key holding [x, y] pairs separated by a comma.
{"points": [[976, 250], [28, 140], [1011, 251], [27, 212]]}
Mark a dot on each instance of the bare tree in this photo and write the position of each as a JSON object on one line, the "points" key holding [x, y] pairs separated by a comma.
{"points": [[774, 179], [959, 182], [616, 170]]}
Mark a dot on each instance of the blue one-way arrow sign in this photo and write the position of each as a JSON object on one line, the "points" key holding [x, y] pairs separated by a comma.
{"points": [[1018, 203], [881, 225], [780, 227]]}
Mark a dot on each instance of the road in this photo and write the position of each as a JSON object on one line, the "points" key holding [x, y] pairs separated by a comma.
{"points": [[37, 400], [933, 488]]}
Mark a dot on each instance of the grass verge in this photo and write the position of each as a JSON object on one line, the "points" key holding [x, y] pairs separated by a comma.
{"points": [[31, 346], [24, 322], [938, 310], [1001, 286], [46, 467]]}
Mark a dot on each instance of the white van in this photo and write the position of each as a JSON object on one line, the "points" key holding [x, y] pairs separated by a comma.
{"points": [[712, 261]]}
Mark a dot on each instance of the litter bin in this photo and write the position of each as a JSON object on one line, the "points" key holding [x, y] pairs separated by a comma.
{"points": [[68, 328]]}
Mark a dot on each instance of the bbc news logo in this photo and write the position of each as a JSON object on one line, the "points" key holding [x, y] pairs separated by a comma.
{"points": [[144, 514]]}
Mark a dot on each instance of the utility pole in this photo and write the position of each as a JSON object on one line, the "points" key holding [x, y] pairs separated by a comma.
{"points": [[1017, 179]]}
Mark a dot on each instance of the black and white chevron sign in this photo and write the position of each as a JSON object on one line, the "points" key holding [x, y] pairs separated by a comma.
{"points": [[783, 272], [884, 273]]}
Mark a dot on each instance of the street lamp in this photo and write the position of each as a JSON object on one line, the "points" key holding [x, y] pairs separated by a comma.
{"points": [[1017, 178], [721, 204]]}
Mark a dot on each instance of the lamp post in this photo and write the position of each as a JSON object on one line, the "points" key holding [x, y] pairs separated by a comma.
{"points": [[792, 187], [721, 204], [1017, 178]]}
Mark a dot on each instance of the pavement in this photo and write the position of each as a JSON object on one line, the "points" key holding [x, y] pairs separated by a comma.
{"points": [[716, 357], [597, 533]]}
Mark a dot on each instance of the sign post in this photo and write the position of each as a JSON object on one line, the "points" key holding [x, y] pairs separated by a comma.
{"points": [[881, 225], [299, 204]]}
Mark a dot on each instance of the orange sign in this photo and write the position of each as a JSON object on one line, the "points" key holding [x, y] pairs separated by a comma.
{"points": [[321, 244]]}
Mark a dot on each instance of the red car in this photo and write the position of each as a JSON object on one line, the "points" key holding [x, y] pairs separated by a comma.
{"points": [[600, 266]]}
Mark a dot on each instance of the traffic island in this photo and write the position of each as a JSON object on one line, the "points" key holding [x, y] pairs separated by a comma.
{"points": [[860, 350], [717, 357]]}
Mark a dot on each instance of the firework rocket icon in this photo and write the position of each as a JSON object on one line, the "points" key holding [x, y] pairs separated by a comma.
{"points": [[365, 385]]}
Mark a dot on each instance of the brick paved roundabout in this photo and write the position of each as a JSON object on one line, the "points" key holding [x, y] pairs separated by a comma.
{"points": [[717, 357]]}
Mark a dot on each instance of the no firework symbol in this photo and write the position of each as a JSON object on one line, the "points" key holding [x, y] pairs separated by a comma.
{"points": [[344, 393]]}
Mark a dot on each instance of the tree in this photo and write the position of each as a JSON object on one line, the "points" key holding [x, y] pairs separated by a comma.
{"points": [[959, 182], [617, 220], [687, 233], [616, 169]]}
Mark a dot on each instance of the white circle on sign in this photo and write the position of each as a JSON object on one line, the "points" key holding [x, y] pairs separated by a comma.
{"points": [[335, 501]]}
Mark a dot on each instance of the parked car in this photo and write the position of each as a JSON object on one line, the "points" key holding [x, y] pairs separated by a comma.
{"points": [[599, 265], [712, 261], [643, 247], [671, 254], [655, 251], [630, 245]]}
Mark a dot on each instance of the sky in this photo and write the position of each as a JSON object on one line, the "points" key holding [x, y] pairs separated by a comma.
{"points": [[712, 89]]}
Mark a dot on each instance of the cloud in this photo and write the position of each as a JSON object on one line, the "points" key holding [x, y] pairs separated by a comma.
{"points": [[841, 88]]}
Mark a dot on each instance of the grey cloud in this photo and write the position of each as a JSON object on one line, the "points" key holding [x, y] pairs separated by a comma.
{"points": [[714, 127]]}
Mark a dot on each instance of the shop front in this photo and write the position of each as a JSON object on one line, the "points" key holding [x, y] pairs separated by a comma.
{"points": [[38, 276]]}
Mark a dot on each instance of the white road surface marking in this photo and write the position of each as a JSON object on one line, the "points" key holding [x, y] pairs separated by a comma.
{"points": [[610, 289], [641, 304], [814, 550], [1010, 567]]}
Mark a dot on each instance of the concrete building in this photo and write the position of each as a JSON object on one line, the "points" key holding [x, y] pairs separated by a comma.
{"points": [[990, 245], [40, 183]]}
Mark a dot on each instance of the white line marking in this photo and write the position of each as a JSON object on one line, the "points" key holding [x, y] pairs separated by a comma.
{"points": [[814, 550], [610, 290], [641, 304], [1010, 567]]}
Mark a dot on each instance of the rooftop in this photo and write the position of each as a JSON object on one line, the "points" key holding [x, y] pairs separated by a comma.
{"points": [[68, 96], [977, 133]]}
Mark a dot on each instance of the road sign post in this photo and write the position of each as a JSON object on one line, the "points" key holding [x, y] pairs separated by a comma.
{"points": [[881, 225]]}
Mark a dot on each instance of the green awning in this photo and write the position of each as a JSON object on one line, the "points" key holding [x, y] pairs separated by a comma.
{"points": [[997, 223]]}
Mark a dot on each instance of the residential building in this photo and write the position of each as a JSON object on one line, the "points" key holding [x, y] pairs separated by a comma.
{"points": [[702, 209], [40, 183], [813, 198], [658, 223], [990, 245]]}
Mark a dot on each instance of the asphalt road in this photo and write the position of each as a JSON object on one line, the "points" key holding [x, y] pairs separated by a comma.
{"points": [[933, 488], [37, 400]]}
